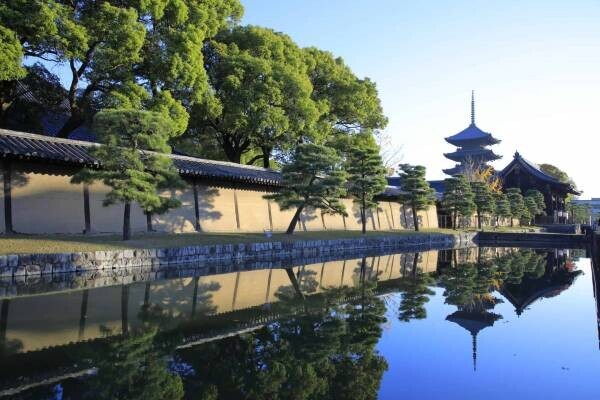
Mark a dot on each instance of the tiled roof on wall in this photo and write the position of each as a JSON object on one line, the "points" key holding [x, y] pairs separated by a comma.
{"points": [[34, 147]]}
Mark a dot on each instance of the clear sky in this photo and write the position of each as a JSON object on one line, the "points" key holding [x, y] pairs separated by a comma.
{"points": [[534, 66]]}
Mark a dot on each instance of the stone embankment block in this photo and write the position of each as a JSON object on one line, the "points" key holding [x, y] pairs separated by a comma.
{"points": [[267, 254]]}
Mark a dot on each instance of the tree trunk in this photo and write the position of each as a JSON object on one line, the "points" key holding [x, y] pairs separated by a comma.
{"points": [[415, 265], [294, 222], [415, 219], [127, 221], [149, 222], [363, 218], [512, 223], [83, 313], [478, 220], [266, 156], [74, 122], [454, 220], [295, 283], [125, 309]]}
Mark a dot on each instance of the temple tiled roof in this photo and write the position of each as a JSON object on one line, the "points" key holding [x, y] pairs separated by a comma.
{"points": [[27, 146], [534, 170]]}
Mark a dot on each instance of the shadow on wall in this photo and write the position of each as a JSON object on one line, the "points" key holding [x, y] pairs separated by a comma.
{"points": [[183, 219]]}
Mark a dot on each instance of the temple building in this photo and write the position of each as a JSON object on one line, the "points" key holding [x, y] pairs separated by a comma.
{"points": [[525, 175], [472, 147]]}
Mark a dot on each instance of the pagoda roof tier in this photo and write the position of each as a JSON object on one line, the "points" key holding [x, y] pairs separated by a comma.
{"points": [[456, 170], [472, 135], [478, 153]]}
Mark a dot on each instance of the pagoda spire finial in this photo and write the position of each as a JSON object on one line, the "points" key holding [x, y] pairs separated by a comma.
{"points": [[472, 107]]}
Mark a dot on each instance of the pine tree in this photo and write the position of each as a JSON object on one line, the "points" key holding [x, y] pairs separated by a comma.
{"points": [[517, 204], [128, 164], [458, 198], [532, 208], [501, 207], [366, 175], [483, 199], [539, 200], [415, 190], [313, 178]]}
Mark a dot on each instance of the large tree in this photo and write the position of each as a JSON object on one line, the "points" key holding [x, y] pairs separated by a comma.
{"points": [[366, 175], [348, 104], [129, 48], [415, 190], [517, 204], [483, 199], [134, 175], [312, 179], [457, 198], [261, 100]]}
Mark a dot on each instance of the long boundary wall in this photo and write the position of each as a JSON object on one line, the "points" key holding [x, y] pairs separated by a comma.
{"points": [[44, 201]]}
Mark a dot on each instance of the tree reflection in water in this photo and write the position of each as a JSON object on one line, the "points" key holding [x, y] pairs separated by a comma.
{"points": [[321, 345]]}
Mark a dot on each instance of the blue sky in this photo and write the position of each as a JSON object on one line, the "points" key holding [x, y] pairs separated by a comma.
{"points": [[534, 66]]}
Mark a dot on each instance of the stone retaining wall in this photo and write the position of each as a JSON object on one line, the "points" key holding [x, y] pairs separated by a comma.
{"points": [[267, 254]]}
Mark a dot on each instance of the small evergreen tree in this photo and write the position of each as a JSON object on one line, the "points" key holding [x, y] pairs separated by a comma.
{"points": [[483, 199], [501, 207], [134, 175], [415, 190], [539, 200], [517, 204], [532, 208], [313, 178], [366, 175], [458, 198]]}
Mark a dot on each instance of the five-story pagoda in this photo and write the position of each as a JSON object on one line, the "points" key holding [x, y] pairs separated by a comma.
{"points": [[472, 149]]}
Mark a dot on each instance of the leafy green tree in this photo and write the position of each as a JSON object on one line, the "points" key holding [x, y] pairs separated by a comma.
{"points": [[261, 101], [415, 190], [501, 207], [483, 199], [134, 175], [348, 104], [517, 204], [11, 55], [458, 198], [366, 175], [313, 178], [128, 49]]}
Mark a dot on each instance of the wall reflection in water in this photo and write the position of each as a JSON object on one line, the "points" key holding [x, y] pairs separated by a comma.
{"points": [[303, 332]]}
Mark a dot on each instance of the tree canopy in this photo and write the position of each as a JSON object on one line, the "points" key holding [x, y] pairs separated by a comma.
{"points": [[366, 174], [312, 179], [133, 175], [517, 203], [457, 198], [128, 49], [483, 200], [415, 190]]}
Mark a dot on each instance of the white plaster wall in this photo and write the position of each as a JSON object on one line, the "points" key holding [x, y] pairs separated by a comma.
{"points": [[110, 219], [45, 203], [254, 211]]}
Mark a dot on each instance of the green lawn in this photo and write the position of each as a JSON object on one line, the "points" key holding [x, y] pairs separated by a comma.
{"points": [[16, 244]]}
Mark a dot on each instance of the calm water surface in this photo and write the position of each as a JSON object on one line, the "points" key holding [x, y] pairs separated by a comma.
{"points": [[465, 324]]}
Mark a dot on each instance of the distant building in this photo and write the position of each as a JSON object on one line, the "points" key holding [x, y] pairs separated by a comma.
{"points": [[525, 175], [472, 147]]}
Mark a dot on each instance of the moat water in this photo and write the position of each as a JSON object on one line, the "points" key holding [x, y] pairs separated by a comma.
{"points": [[463, 324]]}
